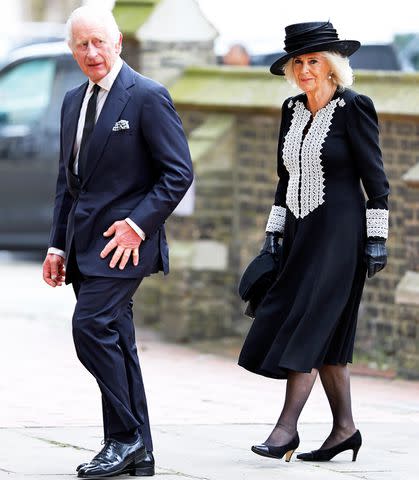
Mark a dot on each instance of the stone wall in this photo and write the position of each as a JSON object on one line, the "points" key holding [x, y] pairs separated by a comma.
{"points": [[162, 37], [165, 61]]}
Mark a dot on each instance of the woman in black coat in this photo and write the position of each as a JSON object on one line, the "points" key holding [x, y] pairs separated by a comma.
{"points": [[328, 145]]}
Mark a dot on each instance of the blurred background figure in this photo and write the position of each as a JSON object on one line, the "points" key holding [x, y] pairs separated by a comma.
{"points": [[237, 55]]}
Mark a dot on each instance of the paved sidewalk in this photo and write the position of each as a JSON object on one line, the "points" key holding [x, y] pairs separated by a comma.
{"points": [[206, 412]]}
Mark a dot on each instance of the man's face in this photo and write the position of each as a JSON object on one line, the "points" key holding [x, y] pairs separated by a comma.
{"points": [[93, 48]]}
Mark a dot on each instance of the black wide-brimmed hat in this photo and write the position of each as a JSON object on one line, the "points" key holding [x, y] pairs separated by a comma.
{"points": [[311, 37]]}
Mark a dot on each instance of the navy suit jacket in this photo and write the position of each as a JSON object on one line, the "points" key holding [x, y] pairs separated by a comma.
{"points": [[141, 173]]}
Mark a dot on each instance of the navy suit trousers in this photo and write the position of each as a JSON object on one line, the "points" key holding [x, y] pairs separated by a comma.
{"points": [[104, 337]]}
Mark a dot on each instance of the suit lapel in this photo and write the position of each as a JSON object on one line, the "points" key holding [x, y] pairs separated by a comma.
{"points": [[70, 122], [114, 104]]}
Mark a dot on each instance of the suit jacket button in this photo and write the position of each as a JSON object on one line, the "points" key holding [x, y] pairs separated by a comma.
{"points": [[82, 190]]}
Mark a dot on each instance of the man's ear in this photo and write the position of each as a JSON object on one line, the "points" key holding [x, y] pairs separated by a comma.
{"points": [[119, 43]]}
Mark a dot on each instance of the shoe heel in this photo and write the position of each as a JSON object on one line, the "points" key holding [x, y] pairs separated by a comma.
{"points": [[140, 456], [288, 455], [355, 453], [142, 472]]}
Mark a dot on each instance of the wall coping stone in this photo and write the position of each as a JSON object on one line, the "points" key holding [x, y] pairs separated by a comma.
{"points": [[407, 290], [206, 137], [254, 89], [411, 177], [130, 15]]}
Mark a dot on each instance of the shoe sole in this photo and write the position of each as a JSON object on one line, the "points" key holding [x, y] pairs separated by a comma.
{"points": [[287, 455], [134, 472]]}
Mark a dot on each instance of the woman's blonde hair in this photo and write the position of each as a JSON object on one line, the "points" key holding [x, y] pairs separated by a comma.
{"points": [[341, 71]]}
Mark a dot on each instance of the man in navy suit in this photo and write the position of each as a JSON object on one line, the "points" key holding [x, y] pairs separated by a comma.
{"points": [[124, 167]]}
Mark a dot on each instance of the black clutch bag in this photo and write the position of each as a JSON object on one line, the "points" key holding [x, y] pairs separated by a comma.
{"points": [[257, 279]]}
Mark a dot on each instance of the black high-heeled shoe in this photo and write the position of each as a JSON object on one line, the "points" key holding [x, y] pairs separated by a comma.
{"points": [[324, 455], [278, 452]]}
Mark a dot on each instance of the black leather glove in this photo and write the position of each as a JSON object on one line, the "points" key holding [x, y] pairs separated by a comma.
{"points": [[375, 255], [271, 244]]}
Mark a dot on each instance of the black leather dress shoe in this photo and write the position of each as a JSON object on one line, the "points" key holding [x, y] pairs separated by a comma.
{"points": [[114, 458], [145, 468], [278, 451]]}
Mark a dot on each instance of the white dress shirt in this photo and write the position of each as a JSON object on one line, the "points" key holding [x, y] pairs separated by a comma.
{"points": [[105, 85]]}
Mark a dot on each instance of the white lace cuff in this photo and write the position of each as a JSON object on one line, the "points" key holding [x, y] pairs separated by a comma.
{"points": [[276, 220], [377, 222]]}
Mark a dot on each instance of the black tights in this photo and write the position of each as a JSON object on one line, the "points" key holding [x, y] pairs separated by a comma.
{"points": [[299, 386], [335, 380], [336, 383]]}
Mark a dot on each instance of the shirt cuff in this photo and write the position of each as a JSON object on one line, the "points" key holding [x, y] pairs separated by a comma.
{"points": [[136, 228], [56, 251]]}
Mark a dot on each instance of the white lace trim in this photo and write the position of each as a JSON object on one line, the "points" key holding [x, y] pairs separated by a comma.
{"points": [[311, 172], [276, 220], [291, 153], [377, 222]]}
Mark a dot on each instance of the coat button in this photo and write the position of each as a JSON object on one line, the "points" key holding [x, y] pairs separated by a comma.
{"points": [[82, 190]]}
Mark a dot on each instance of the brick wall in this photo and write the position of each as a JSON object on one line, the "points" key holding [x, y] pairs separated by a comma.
{"points": [[198, 299], [387, 331], [257, 138]]}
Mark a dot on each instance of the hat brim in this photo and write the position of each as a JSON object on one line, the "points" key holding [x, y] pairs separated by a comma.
{"points": [[344, 47]]}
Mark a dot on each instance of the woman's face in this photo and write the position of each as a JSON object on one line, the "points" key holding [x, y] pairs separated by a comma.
{"points": [[311, 71]]}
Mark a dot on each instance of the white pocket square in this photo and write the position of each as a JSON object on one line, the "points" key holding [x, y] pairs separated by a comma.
{"points": [[121, 125]]}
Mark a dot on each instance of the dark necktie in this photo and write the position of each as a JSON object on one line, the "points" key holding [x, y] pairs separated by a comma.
{"points": [[89, 125]]}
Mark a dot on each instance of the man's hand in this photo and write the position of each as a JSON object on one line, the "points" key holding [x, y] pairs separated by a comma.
{"points": [[53, 270], [125, 241]]}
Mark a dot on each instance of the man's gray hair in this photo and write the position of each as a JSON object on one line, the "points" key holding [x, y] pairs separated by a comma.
{"points": [[341, 71], [87, 12]]}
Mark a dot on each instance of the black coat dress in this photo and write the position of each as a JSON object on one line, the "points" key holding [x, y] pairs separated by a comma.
{"points": [[308, 317]]}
